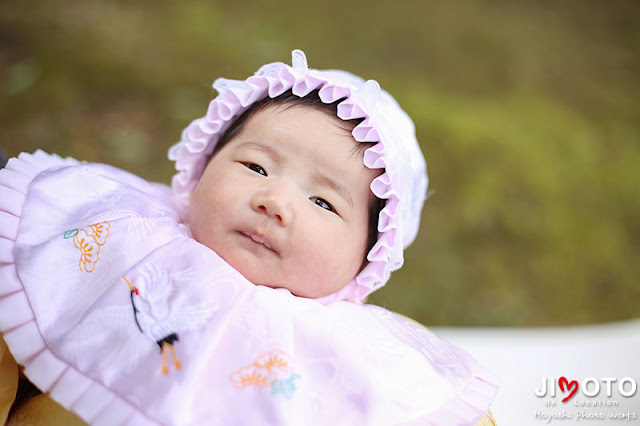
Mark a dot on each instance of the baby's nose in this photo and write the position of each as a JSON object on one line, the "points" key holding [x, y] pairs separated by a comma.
{"points": [[275, 204]]}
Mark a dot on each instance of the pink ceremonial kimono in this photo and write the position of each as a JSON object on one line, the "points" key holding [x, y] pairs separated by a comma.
{"points": [[123, 318]]}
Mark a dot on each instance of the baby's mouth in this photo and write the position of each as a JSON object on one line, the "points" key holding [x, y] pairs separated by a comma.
{"points": [[259, 239]]}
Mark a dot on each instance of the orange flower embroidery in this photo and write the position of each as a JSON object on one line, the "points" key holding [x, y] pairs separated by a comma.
{"points": [[89, 240], [100, 232], [89, 250], [274, 362], [249, 376], [272, 369]]}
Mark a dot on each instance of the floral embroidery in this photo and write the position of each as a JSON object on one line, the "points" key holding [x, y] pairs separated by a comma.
{"points": [[100, 232], [286, 386], [89, 240], [272, 369], [249, 376]]}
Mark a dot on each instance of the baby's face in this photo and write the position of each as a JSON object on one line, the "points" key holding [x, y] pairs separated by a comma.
{"points": [[286, 202]]}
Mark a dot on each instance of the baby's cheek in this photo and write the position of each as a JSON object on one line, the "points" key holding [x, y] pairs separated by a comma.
{"points": [[341, 256], [197, 219], [193, 216]]}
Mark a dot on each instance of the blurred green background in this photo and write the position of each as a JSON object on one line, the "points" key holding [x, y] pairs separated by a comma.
{"points": [[528, 114]]}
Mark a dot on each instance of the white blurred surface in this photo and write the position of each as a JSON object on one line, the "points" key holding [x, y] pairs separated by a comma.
{"points": [[521, 357]]}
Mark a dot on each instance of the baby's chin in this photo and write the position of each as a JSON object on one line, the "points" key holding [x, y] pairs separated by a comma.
{"points": [[258, 278], [266, 281], [297, 293]]}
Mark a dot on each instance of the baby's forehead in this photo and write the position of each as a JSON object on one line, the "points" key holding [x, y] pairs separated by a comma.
{"points": [[301, 106], [271, 114], [317, 112], [310, 137]]}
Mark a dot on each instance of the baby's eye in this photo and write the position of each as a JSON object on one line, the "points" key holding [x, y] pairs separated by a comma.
{"points": [[322, 203], [256, 168]]}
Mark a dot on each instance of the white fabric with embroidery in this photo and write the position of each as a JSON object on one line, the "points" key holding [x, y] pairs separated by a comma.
{"points": [[125, 319]]}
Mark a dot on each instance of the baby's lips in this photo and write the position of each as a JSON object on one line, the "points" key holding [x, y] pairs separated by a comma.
{"points": [[259, 238]]}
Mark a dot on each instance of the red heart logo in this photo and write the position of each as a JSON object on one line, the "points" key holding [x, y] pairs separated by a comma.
{"points": [[563, 382]]}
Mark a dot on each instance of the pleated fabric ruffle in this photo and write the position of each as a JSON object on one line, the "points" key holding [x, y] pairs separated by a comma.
{"points": [[89, 399]]}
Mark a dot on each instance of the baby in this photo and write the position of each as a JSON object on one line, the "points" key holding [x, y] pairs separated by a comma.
{"points": [[295, 210], [295, 194]]}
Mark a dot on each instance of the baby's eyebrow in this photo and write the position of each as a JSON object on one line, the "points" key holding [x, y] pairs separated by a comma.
{"points": [[269, 150], [322, 179]]}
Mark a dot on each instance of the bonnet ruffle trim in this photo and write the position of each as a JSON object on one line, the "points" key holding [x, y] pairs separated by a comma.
{"points": [[234, 97], [77, 392]]}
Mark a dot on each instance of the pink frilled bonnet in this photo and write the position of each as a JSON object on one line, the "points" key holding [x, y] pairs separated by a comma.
{"points": [[403, 184]]}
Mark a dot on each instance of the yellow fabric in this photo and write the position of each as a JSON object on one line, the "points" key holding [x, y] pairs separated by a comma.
{"points": [[8, 381], [42, 410], [39, 410], [487, 420]]}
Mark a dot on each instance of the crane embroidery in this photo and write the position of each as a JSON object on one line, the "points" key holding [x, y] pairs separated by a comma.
{"points": [[165, 343], [161, 312]]}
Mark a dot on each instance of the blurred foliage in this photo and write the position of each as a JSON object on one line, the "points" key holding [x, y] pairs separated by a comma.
{"points": [[528, 114]]}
